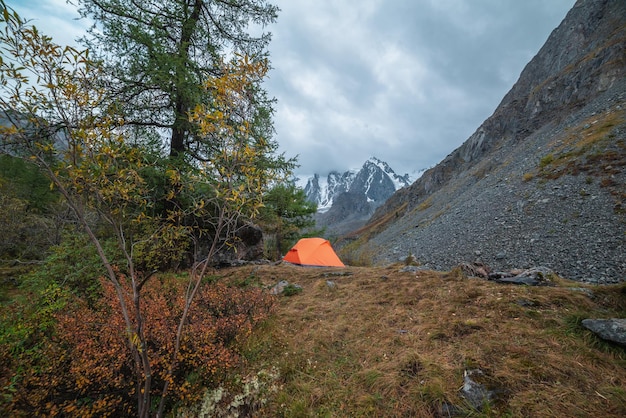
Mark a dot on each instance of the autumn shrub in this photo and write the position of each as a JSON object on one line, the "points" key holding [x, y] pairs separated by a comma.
{"points": [[356, 254], [90, 371]]}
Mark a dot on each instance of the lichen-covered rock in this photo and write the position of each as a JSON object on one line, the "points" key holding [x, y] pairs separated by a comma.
{"points": [[613, 329]]}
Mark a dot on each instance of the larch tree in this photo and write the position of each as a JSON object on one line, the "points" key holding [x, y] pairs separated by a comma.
{"points": [[157, 58], [159, 53]]}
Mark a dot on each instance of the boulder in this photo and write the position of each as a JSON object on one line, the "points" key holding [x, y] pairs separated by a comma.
{"points": [[248, 247], [613, 330]]}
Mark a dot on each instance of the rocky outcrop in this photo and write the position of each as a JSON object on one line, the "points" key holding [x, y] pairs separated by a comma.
{"points": [[541, 181], [248, 246], [584, 57]]}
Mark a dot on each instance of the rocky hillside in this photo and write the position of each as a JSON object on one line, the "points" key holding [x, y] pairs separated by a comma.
{"points": [[542, 181]]}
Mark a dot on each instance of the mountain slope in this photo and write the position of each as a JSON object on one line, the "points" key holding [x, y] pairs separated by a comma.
{"points": [[542, 180]]}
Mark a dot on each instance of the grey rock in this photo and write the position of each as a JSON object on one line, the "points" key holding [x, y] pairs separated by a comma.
{"points": [[541, 274], [248, 247], [536, 276], [279, 287], [525, 303], [613, 329], [475, 393], [584, 290]]}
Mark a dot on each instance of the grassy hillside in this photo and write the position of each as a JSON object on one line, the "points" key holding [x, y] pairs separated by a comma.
{"points": [[390, 343]]}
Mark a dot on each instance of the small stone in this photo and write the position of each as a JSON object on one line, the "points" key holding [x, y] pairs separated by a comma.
{"points": [[279, 287], [475, 393]]}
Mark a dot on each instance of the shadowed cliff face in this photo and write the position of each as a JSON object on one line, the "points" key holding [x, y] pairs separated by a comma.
{"points": [[577, 75]]}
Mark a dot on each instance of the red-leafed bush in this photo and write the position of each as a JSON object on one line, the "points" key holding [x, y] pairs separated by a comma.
{"points": [[89, 371]]}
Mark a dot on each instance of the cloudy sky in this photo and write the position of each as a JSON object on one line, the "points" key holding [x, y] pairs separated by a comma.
{"points": [[407, 81]]}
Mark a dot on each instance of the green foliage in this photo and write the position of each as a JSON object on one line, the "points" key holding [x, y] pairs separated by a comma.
{"points": [[73, 264], [291, 290], [26, 330], [546, 160], [26, 207], [26, 235], [85, 135], [25, 181], [285, 214], [161, 53]]}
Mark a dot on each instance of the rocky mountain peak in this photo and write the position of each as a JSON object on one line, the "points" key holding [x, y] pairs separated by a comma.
{"points": [[375, 180], [346, 200]]}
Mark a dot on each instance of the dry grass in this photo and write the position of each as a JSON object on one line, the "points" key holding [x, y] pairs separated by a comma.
{"points": [[386, 343]]}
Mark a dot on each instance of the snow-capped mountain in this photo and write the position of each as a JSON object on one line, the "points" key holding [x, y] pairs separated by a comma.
{"points": [[375, 180]]}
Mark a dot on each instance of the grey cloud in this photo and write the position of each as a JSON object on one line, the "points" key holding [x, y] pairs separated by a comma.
{"points": [[407, 81], [404, 80]]}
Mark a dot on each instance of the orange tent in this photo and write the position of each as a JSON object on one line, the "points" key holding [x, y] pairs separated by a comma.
{"points": [[313, 252]]}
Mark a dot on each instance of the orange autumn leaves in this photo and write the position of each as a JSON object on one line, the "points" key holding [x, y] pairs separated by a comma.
{"points": [[91, 371]]}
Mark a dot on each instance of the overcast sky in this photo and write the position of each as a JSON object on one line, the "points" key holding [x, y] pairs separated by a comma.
{"points": [[407, 81]]}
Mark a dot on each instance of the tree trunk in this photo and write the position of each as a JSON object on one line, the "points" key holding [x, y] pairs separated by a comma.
{"points": [[181, 103]]}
